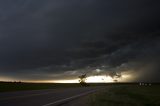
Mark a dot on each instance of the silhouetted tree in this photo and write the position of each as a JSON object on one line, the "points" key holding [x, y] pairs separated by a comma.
{"points": [[82, 80]]}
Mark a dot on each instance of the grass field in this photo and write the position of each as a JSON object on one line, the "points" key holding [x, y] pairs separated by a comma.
{"points": [[113, 95], [16, 86], [131, 95], [9, 86]]}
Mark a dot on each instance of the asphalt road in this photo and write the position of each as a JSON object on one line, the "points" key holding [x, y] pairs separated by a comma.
{"points": [[51, 97]]}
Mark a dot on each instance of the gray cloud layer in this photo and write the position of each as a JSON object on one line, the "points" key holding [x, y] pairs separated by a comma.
{"points": [[44, 39]]}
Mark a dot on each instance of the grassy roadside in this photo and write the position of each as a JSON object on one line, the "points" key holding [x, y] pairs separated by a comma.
{"points": [[8, 86], [131, 95], [17, 86]]}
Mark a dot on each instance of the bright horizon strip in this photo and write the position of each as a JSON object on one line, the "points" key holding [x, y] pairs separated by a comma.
{"points": [[65, 81], [99, 79], [96, 79], [90, 79]]}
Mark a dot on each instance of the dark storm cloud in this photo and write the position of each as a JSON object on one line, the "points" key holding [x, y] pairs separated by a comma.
{"points": [[43, 39]]}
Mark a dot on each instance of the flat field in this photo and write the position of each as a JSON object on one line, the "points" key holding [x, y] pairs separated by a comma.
{"points": [[120, 94], [17, 86], [127, 95], [11, 86]]}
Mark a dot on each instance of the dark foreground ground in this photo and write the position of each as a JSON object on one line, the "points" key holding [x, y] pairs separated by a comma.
{"points": [[113, 94], [127, 95], [17, 86], [20, 86], [50, 97]]}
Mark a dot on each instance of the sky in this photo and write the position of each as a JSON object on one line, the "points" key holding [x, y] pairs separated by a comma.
{"points": [[57, 40]]}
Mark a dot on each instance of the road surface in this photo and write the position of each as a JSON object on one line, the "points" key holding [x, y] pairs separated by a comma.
{"points": [[51, 97]]}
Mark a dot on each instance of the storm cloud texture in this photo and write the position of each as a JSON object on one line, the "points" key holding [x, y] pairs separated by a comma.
{"points": [[61, 39]]}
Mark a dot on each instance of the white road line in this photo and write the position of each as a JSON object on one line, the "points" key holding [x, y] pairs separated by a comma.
{"points": [[69, 98]]}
